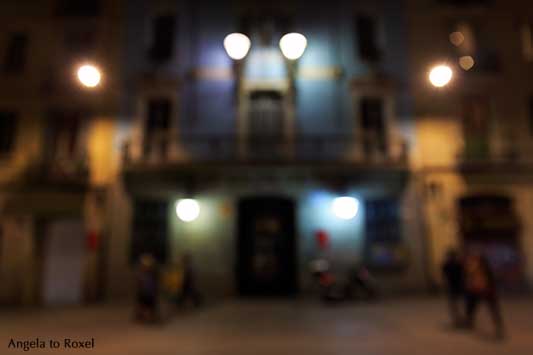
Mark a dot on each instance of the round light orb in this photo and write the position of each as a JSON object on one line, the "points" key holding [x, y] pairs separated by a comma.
{"points": [[237, 45], [345, 207], [293, 45], [187, 209], [457, 38], [440, 75], [466, 62], [89, 75]]}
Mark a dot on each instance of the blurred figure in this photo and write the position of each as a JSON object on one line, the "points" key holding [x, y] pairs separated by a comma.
{"points": [[453, 273], [189, 292], [147, 289], [363, 283], [481, 287]]}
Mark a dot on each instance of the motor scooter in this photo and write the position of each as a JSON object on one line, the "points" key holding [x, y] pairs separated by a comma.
{"points": [[356, 285]]}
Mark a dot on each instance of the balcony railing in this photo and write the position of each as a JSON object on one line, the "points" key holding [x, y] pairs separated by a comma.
{"points": [[59, 169], [159, 150]]}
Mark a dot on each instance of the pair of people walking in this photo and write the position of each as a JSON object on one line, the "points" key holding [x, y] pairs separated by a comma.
{"points": [[471, 282], [149, 288]]}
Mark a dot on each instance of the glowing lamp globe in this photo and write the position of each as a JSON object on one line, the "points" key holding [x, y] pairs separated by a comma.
{"points": [[293, 45], [440, 75], [89, 75], [187, 209], [237, 45], [345, 207]]}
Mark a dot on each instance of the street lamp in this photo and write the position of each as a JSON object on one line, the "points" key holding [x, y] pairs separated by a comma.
{"points": [[187, 209], [237, 45], [89, 75], [440, 75], [293, 45], [345, 207]]}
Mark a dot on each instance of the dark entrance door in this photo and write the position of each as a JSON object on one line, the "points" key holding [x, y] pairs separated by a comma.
{"points": [[150, 233], [490, 223], [266, 248]]}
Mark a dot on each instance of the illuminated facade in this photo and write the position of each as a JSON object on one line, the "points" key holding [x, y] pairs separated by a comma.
{"points": [[266, 145], [254, 154]]}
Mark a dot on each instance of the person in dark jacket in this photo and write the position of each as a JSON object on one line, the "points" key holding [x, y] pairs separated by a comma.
{"points": [[188, 289], [453, 273], [147, 290], [481, 287]]}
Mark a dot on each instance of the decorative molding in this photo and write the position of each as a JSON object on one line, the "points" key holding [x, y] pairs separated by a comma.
{"points": [[307, 73], [211, 73], [320, 73]]}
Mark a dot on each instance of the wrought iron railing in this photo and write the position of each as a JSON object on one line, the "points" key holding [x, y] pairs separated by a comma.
{"points": [[257, 149], [60, 169]]}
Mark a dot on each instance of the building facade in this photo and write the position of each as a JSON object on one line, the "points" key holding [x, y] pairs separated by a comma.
{"points": [[56, 141], [257, 166], [266, 144], [473, 154]]}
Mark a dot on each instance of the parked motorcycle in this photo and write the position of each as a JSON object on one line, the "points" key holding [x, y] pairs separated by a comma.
{"points": [[358, 284]]}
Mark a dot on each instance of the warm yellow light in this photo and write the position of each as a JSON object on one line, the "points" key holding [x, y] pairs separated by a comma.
{"points": [[440, 75], [457, 38], [466, 62], [293, 45], [187, 209], [89, 75], [237, 45]]}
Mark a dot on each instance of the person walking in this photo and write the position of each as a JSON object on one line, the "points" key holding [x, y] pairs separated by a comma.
{"points": [[453, 274], [188, 289], [147, 290], [481, 288]]}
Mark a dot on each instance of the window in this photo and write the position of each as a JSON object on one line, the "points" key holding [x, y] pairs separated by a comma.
{"points": [[265, 122], [156, 127], [367, 38], [527, 41], [373, 125], [63, 133], [476, 114], [384, 246], [266, 113], [81, 8], [163, 28], [159, 111], [8, 132], [16, 54]]}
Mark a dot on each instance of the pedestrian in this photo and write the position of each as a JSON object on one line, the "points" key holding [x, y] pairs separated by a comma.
{"points": [[363, 283], [189, 292], [481, 287], [453, 274], [147, 289]]}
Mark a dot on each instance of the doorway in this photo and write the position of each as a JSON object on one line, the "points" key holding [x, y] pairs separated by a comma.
{"points": [[490, 223], [266, 120], [64, 258], [266, 247]]}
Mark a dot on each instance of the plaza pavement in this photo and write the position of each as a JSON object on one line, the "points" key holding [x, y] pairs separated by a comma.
{"points": [[273, 327]]}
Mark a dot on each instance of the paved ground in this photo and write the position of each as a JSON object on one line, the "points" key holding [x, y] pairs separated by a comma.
{"points": [[274, 328]]}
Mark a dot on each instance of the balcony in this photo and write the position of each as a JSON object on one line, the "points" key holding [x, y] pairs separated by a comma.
{"points": [[48, 185], [66, 172], [230, 149], [505, 158], [163, 163]]}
